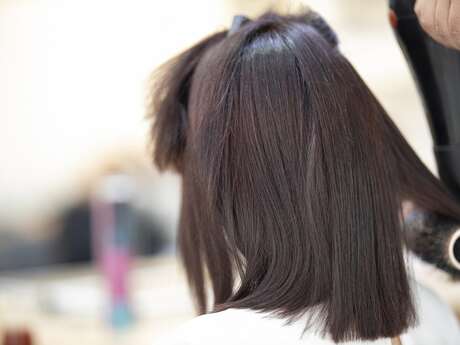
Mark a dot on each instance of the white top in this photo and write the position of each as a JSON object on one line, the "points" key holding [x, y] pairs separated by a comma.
{"points": [[437, 326]]}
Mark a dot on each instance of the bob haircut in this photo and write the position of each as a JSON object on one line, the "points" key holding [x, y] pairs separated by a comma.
{"points": [[292, 178]]}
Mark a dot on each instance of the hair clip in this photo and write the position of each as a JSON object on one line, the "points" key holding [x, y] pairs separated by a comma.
{"points": [[237, 22]]}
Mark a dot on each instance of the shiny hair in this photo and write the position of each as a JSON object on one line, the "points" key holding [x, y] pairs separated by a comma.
{"points": [[292, 178]]}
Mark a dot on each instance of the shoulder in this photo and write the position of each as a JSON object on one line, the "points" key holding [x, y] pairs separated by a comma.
{"points": [[245, 327], [232, 326]]}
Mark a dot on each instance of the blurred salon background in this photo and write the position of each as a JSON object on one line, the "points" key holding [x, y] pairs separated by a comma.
{"points": [[87, 226]]}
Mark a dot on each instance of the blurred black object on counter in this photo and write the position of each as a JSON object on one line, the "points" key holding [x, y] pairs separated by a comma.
{"points": [[72, 241], [66, 238]]}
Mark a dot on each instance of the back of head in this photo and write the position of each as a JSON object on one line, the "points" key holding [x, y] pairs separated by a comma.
{"points": [[292, 178]]}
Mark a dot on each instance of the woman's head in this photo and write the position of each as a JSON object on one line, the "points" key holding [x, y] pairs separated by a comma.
{"points": [[293, 176]]}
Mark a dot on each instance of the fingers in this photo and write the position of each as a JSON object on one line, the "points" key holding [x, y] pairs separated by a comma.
{"points": [[453, 23], [441, 20], [441, 16], [425, 10]]}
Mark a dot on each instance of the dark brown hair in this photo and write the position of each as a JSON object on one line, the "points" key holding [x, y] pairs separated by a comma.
{"points": [[293, 177]]}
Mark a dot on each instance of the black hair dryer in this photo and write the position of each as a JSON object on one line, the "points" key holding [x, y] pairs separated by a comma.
{"points": [[436, 70]]}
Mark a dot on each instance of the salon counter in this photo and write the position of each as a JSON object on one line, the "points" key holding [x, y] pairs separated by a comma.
{"points": [[68, 305]]}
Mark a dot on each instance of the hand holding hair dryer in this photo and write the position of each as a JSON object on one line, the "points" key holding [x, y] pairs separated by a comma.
{"points": [[436, 70]]}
